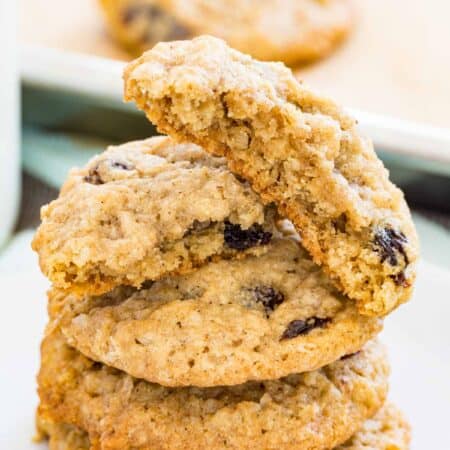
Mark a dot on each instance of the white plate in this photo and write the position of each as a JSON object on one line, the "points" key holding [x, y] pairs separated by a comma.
{"points": [[417, 335]]}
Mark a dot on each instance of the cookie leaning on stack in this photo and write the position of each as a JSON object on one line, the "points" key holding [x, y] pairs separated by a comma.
{"points": [[184, 314], [297, 149], [292, 31]]}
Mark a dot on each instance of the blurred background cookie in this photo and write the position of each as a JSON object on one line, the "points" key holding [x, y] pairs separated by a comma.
{"points": [[292, 31]]}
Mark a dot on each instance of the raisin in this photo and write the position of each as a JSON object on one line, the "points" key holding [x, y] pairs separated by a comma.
{"points": [[147, 284], [96, 366], [121, 165], [93, 177], [136, 11], [388, 242], [340, 223], [400, 279], [298, 327], [269, 297], [239, 239]]}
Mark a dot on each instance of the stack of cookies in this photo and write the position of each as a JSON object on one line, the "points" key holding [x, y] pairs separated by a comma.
{"points": [[222, 287]]}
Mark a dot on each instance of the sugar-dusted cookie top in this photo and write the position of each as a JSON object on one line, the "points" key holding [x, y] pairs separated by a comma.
{"points": [[297, 149], [146, 209]]}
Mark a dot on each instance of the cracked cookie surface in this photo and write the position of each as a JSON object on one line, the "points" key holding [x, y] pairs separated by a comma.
{"points": [[261, 317], [315, 410], [145, 209], [287, 30], [297, 149]]}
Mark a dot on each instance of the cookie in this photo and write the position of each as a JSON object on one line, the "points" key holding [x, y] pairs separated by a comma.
{"points": [[388, 430], [146, 209], [225, 323], [292, 31], [316, 410], [297, 149]]}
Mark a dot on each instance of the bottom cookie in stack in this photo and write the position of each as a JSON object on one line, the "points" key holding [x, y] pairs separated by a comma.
{"points": [[86, 404], [388, 430]]}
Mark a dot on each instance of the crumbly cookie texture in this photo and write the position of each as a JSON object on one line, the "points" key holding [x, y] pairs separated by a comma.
{"points": [[61, 436], [287, 30], [146, 209], [388, 430], [297, 149], [226, 323], [315, 410]]}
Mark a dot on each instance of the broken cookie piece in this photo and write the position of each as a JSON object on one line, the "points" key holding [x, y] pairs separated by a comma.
{"points": [[144, 210], [297, 149]]}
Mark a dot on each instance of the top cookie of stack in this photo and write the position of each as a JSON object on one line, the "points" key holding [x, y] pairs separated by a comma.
{"points": [[296, 149]]}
